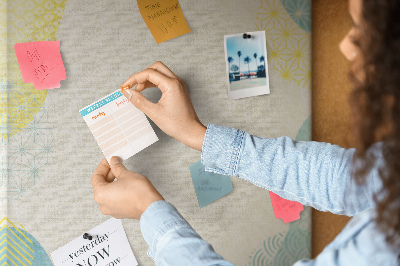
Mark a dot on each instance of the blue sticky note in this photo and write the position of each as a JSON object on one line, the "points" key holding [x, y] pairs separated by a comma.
{"points": [[209, 186]]}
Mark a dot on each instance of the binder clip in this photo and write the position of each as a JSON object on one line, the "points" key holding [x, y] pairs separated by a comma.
{"points": [[246, 36]]}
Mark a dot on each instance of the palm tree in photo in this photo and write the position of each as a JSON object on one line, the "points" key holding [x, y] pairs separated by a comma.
{"points": [[255, 57], [234, 68], [239, 54], [262, 59], [230, 60], [247, 60]]}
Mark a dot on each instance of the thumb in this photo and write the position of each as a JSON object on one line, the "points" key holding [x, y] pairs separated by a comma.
{"points": [[138, 100], [117, 167]]}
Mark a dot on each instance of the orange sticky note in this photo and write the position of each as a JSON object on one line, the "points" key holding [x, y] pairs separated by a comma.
{"points": [[164, 18], [41, 63], [284, 209]]}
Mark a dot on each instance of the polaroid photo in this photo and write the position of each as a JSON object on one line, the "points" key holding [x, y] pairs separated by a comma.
{"points": [[246, 64]]}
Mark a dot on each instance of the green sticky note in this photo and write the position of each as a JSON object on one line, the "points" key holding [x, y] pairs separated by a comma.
{"points": [[209, 186]]}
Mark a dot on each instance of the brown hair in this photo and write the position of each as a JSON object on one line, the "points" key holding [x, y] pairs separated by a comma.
{"points": [[375, 101]]}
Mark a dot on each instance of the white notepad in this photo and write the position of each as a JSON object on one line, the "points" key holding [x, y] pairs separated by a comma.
{"points": [[118, 126]]}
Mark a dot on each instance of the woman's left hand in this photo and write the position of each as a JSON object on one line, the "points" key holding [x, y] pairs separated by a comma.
{"points": [[127, 197]]}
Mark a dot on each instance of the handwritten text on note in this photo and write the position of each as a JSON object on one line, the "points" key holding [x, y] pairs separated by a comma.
{"points": [[41, 63], [164, 18], [207, 185]]}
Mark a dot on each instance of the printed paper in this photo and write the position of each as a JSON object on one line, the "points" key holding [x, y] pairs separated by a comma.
{"points": [[164, 18], [109, 246], [41, 63], [209, 186], [118, 126]]}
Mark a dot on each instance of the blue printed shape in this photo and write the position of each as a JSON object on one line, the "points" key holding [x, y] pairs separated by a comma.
{"points": [[18, 247], [300, 11], [304, 133], [209, 186], [285, 248]]}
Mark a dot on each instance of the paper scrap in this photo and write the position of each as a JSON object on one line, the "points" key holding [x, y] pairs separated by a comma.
{"points": [[284, 209], [209, 186], [41, 63], [109, 246], [164, 18], [118, 126]]}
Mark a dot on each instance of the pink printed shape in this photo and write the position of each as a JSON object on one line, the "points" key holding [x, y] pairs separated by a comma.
{"points": [[284, 209], [41, 63]]}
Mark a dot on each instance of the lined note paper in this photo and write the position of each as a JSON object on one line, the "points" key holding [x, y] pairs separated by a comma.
{"points": [[118, 126]]}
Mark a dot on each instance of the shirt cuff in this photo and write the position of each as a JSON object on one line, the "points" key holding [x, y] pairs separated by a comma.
{"points": [[159, 218], [222, 148]]}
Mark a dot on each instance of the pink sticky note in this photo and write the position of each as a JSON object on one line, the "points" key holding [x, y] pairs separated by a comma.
{"points": [[284, 209], [41, 63]]}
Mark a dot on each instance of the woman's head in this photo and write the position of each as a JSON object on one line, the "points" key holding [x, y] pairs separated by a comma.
{"points": [[373, 47], [349, 45]]}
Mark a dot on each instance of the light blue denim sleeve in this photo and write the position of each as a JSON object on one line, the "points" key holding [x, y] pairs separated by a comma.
{"points": [[359, 243], [172, 241], [312, 173]]}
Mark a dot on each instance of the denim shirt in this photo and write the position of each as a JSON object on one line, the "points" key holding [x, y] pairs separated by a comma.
{"points": [[312, 173]]}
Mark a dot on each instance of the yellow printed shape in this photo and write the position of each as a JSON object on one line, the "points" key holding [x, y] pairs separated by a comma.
{"points": [[5, 226], [23, 21], [6, 239], [11, 247], [15, 249], [16, 228], [164, 18], [8, 257]]}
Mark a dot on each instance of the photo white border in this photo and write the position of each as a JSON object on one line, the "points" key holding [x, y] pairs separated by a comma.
{"points": [[247, 92]]}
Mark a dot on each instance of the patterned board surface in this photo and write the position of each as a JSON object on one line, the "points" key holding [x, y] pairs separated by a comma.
{"points": [[48, 155]]}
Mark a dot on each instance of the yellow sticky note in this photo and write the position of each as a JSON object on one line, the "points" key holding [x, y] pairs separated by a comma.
{"points": [[164, 18]]}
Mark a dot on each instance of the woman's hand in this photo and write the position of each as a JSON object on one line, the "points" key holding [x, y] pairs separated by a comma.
{"points": [[173, 113], [127, 197]]}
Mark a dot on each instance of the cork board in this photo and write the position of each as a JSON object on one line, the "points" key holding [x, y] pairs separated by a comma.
{"points": [[330, 94]]}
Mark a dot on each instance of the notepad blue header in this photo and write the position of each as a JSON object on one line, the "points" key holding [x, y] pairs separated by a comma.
{"points": [[100, 103]]}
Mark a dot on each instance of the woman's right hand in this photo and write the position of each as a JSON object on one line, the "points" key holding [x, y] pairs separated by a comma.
{"points": [[173, 113]]}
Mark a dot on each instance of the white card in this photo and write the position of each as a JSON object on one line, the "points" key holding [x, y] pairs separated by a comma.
{"points": [[118, 126], [108, 247]]}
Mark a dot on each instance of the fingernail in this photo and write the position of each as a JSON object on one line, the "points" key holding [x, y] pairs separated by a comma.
{"points": [[128, 94], [115, 160], [125, 88]]}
